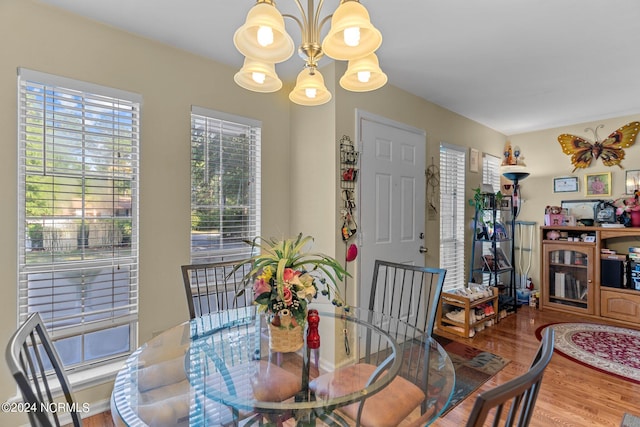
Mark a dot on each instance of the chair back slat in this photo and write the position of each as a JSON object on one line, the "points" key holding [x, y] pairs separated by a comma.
{"points": [[410, 294], [35, 364], [519, 395], [407, 292], [213, 287]]}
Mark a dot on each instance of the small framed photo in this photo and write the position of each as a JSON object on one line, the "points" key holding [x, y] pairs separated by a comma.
{"points": [[632, 181], [474, 160], [505, 203], [489, 265], [597, 184], [590, 239], [501, 260], [565, 184]]}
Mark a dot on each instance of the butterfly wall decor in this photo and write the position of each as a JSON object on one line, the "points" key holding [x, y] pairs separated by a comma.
{"points": [[610, 150]]}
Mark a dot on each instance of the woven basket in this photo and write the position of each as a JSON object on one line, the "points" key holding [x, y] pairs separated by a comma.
{"points": [[285, 339]]}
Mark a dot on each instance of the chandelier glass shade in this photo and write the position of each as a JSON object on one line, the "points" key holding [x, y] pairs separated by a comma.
{"points": [[342, 42], [258, 76], [310, 89], [263, 41], [363, 74], [253, 40]]}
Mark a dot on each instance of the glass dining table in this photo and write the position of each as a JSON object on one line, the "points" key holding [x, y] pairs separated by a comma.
{"points": [[218, 370]]}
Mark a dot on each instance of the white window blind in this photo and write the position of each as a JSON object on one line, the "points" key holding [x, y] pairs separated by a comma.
{"points": [[225, 185], [491, 171], [78, 215], [452, 205]]}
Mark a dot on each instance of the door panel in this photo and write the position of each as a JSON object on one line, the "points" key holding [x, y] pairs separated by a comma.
{"points": [[392, 197]]}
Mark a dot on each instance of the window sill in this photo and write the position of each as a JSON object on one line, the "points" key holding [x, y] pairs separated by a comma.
{"points": [[83, 380], [94, 376]]}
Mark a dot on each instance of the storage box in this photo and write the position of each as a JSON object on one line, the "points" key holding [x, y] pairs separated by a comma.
{"points": [[522, 296], [553, 219]]}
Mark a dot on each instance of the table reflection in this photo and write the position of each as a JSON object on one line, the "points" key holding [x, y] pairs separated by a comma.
{"points": [[218, 370]]}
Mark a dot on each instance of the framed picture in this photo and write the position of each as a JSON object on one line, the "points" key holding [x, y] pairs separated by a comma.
{"points": [[474, 160], [501, 260], [505, 203], [632, 181], [565, 184], [489, 265], [597, 184]]}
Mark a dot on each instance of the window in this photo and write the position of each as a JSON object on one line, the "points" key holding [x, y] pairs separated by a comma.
{"points": [[491, 171], [78, 215], [452, 204], [225, 185]]}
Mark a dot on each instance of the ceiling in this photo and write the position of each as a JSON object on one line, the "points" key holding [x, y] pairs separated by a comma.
{"points": [[513, 65]]}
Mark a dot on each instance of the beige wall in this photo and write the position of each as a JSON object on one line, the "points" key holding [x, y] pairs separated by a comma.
{"points": [[300, 149], [170, 81], [545, 161]]}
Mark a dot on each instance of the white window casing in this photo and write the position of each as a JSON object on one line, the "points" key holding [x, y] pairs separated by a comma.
{"points": [[78, 215]]}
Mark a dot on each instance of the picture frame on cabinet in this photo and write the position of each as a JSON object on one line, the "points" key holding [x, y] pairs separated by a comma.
{"points": [[632, 181], [567, 184], [597, 184]]}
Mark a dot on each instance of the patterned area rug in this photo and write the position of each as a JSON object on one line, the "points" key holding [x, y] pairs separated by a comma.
{"points": [[609, 349], [473, 367]]}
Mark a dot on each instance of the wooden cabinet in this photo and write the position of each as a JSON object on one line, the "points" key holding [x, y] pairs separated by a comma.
{"points": [[567, 270], [620, 304], [574, 273]]}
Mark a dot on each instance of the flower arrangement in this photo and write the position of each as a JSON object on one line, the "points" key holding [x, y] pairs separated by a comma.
{"points": [[285, 278]]}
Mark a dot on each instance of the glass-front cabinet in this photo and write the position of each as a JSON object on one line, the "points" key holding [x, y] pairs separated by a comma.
{"points": [[569, 271]]}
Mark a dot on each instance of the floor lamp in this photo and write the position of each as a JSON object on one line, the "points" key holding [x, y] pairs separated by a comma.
{"points": [[516, 177]]}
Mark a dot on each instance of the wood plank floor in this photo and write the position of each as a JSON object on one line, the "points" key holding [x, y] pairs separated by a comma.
{"points": [[571, 394]]}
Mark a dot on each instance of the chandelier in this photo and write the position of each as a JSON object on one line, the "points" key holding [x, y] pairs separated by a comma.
{"points": [[264, 42]]}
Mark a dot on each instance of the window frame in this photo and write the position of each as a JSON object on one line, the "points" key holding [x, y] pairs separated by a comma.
{"points": [[112, 153], [230, 246], [456, 157]]}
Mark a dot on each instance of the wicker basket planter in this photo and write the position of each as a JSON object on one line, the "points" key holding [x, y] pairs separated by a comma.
{"points": [[283, 337]]}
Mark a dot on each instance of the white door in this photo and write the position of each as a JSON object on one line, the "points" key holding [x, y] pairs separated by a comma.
{"points": [[392, 196]]}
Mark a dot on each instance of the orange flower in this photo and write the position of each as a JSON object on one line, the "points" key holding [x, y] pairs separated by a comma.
{"points": [[289, 274]]}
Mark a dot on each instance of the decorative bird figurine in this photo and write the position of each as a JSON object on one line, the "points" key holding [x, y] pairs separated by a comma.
{"points": [[610, 150]]}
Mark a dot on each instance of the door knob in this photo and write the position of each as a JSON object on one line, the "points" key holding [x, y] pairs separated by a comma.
{"points": [[423, 250]]}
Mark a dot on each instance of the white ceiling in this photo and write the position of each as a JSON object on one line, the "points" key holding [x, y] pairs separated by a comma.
{"points": [[512, 65]]}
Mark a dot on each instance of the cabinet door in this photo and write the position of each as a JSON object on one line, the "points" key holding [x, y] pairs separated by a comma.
{"points": [[568, 277]]}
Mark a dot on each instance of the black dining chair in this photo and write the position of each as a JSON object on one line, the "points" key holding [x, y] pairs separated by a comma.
{"points": [[513, 402], [37, 369], [409, 294], [213, 287]]}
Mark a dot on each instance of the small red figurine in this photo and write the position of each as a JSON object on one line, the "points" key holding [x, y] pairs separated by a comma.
{"points": [[313, 337]]}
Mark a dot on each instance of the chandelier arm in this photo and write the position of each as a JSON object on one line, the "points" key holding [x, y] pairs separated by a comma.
{"points": [[304, 22], [297, 21], [324, 21], [316, 16]]}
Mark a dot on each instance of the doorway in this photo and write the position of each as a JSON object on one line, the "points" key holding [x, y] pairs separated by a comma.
{"points": [[392, 196]]}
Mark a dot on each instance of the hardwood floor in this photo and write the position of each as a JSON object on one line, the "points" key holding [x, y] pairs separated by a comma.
{"points": [[571, 394]]}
